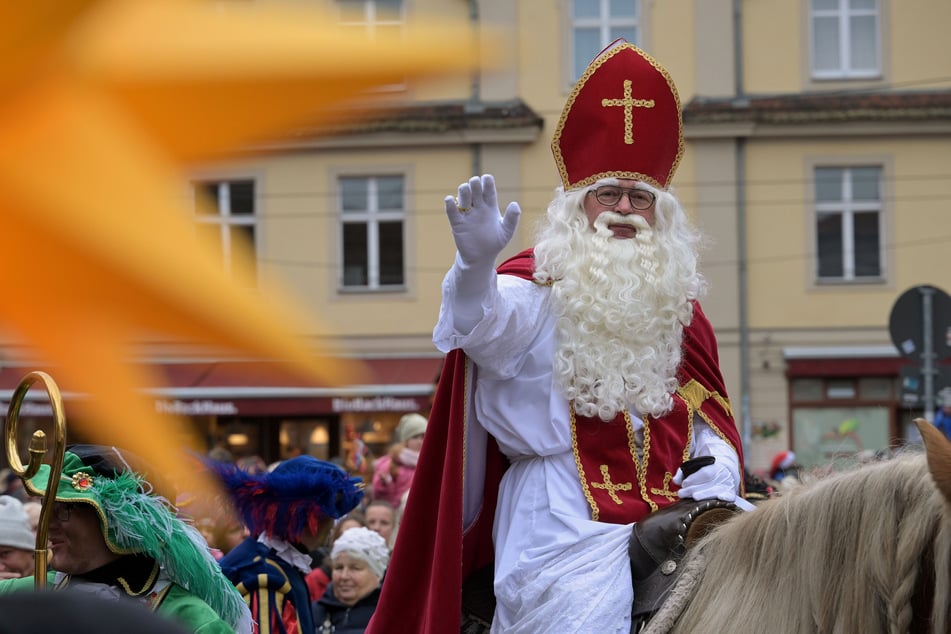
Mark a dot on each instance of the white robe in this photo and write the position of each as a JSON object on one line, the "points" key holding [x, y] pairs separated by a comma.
{"points": [[556, 570]]}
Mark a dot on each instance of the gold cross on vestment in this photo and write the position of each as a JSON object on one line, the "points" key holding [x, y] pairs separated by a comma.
{"points": [[609, 486], [629, 105], [666, 492]]}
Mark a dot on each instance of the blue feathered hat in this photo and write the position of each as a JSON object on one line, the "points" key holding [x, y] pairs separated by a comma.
{"points": [[292, 498]]}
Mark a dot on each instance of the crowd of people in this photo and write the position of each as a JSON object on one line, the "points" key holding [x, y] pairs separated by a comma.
{"points": [[296, 546], [112, 537]]}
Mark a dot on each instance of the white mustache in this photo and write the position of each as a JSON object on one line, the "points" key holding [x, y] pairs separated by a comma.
{"points": [[608, 218]]}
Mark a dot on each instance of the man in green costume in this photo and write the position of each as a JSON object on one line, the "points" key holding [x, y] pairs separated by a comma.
{"points": [[112, 536]]}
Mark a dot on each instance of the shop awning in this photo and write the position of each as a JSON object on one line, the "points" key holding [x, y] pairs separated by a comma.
{"points": [[243, 387]]}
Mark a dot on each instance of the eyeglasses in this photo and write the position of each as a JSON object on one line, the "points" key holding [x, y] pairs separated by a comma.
{"points": [[61, 511], [610, 195]]}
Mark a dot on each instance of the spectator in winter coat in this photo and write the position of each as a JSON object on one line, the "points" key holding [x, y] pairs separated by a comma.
{"points": [[360, 557], [393, 473]]}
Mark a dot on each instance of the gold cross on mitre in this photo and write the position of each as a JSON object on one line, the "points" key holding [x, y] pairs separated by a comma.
{"points": [[609, 486], [629, 104]]}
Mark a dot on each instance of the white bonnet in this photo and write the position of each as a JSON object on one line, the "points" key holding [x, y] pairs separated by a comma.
{"points": [[365, 544], [411, 425]]}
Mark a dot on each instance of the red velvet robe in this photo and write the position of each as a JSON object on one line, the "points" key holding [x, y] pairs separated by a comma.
{"points": [[422, 591]]}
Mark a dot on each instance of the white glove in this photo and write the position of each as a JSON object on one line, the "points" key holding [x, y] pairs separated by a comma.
{"points": [[478, 228], [712, 481]]}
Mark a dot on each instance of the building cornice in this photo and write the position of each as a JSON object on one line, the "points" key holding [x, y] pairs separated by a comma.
{"points": [[429, 124], [820, 115]]}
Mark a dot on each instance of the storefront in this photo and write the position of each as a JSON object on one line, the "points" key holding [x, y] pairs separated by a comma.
{"points": [[848, 404], [256, 409]]}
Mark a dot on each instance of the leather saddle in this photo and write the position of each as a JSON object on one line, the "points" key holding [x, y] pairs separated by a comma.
{"points": [[659, 543]]}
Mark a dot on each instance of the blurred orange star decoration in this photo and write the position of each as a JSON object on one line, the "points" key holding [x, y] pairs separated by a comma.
{"points": [[103, 104]]}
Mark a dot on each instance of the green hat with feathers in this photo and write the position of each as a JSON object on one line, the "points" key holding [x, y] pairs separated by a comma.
{"points": [[136, 521]]}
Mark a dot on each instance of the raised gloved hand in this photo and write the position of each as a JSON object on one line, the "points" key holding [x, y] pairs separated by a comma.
{"points": [[478, 228]]}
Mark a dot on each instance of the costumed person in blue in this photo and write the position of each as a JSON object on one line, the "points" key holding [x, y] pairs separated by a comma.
{"points": [[111, 536], [289, 512], [580, 375], [942, 419]]}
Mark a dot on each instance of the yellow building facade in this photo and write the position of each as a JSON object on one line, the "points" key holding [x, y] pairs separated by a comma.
{"points": [[818, 143]]}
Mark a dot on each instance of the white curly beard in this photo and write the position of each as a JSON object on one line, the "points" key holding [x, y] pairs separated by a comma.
{"points": [[621, 306]]}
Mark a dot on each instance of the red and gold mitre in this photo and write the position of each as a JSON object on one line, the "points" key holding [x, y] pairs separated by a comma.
{"points": [[622, 120]]}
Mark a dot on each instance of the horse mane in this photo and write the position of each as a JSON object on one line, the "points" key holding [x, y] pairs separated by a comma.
{"points": [[867, 550]]}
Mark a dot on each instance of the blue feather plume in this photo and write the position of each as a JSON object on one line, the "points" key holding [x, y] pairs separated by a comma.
{"points": [[292, 498]]}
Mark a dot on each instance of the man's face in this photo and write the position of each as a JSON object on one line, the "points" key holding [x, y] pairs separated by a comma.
{"points": [[593, 208], [76, 540], [624, 277], [312, 540], [15, 562]]}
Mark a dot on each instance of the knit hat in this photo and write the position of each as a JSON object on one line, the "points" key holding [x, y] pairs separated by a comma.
{"points": [[15, 525], [411, 425], [366, 545], [292, 498], [621, 120], [134, 520]]}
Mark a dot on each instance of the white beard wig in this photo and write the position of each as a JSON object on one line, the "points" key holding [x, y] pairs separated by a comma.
{"points": [[621, 305]]}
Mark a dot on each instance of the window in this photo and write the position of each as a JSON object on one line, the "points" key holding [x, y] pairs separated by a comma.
{"points": [[845, 39], [848, 223], [372, 18], [372, 213], [807, 390], [597, 23], [874, 387], [226, 217], [838, 437]]}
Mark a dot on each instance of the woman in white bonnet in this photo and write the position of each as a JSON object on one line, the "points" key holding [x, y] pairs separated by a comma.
{"points": [[359, 557]]}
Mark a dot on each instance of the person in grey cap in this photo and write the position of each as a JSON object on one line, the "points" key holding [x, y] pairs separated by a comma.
{"points": [[393, 473], [17, 542]]}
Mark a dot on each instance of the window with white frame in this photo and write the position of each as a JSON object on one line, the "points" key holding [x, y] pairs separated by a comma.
{"points": [[848, 223], [845, 39], [226, 217], [372, 18], [597, 23], [372, 215]]}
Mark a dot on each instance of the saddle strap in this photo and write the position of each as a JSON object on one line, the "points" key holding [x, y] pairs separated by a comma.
{"points": [[659, 543]]}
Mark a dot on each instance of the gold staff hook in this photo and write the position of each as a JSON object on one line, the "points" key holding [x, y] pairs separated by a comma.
{"points": [[37, 451]]}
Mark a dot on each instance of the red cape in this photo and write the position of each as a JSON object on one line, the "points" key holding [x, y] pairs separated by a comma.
{"points": [[432, 556]]}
